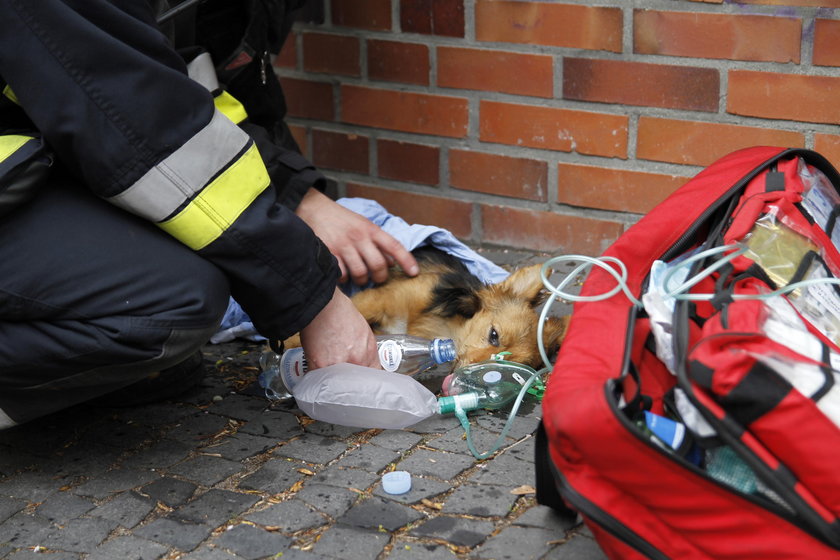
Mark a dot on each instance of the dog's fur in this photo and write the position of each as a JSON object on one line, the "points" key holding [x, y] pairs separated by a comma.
{"points": [[446, 301]]}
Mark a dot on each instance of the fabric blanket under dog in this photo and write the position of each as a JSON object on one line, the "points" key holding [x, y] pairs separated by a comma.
{"points": [[237, 324]]}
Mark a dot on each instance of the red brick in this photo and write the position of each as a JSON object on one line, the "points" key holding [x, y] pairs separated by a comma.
{"points": [[701, 143], [549, 23], [501, 175], [507, 72], [550, 128], [330, 53], [452, 215], [546, 231], [308, 99], [336, 150], [287, 57], [409, 112], [829, 146], [432, 17], [827, 43], [365, 14], [300, 135], [721, 36], [640, 83], [613, 189], [404, 161], [394, 61], [784, 96]]}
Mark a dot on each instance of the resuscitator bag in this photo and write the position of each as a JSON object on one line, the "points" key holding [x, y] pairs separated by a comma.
{"points": [[363, 397]]}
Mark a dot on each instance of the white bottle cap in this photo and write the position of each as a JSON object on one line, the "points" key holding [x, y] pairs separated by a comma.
{"points": [[396, 482]]}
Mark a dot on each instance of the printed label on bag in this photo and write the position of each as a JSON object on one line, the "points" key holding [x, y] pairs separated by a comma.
{"points": [[293, 367], [390, 355]]}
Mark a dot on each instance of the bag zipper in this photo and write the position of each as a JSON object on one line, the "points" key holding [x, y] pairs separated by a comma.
{"points": [[604, 520]]}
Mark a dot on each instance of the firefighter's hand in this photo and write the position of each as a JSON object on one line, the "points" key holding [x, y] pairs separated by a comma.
{"points": [[363, 250], [339, 334]]}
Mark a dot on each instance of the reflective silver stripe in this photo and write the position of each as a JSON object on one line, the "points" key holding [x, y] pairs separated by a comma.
{"points": [[5, 421], [165, 187], [201, 70]]}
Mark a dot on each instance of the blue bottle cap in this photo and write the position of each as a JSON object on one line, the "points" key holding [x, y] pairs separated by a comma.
{"points": [[396, 482]]}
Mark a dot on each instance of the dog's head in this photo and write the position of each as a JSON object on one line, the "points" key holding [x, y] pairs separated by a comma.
{"points": [[501, 317]]}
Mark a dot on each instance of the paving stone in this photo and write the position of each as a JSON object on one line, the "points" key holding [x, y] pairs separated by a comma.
{"points": [[439, 464], [396, 440], [62, 506], [21, 530], [368, 457], [127, 547], [9, 507], [198, 428], [5, 549], [421, 488], [128, 509], [171, 532], [88, 460], [454, 441], [288, 517], [505, 470], [435, 424], [579, 547], [517, 543], [206, 470], [32, 555], [295, 554], [251, 542], [14, 460], [522, 426], [215, 507], [312, 448], [155, 414], [241, 407], [345, 478], [524, 450], [481, 500], [169, 491], [241, 446], [78, 535], [350, 542], [275, 476], [159, 455], [330, 500], [456, 530], [113, 481], [377, 513], [30, 486], [547, 518], [420, 551], [332, 430], [118, 434], [212, 553], [280, 426]]}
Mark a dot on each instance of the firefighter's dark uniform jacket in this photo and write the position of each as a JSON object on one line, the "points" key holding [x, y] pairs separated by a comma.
{"points": [[97, 86]]}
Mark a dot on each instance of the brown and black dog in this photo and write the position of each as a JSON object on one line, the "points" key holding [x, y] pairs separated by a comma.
{"points": [[446, 301]]}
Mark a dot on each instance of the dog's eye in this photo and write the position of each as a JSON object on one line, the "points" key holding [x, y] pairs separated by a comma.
{"points": [[493, 337]]}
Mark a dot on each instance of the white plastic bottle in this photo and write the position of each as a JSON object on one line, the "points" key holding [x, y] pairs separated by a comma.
{"points": [[400, 353]]}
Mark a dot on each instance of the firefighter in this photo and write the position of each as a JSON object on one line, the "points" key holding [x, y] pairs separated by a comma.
{"points": [[138, 193]]}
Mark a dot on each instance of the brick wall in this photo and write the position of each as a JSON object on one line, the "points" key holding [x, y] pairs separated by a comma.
{"points": [[552, 125]]}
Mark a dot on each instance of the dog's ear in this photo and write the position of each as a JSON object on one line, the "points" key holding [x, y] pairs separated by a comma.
{"points": [[554, 330], [456, 294], [526, 284]]}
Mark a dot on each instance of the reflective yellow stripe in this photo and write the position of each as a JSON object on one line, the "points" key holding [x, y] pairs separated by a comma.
{"points": [[220, 204], [10, 143], [230, 107], [7, 91]]}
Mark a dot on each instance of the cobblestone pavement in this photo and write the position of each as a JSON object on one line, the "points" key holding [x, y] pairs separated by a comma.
{"points": [[221, 473]]}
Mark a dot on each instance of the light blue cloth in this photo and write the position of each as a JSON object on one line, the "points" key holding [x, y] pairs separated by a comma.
{"points": [[237, 324]]}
